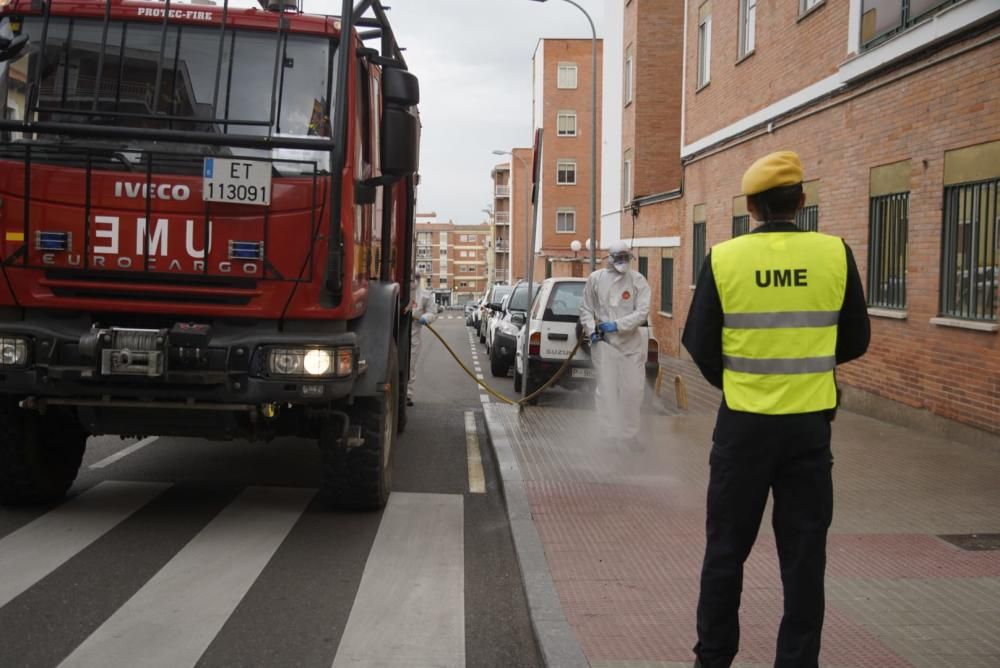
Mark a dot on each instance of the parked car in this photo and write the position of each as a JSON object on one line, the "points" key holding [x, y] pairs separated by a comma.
{"points": [[491, 324], [552, 332], [494, 297], [506, 327], [470, 309], [477, 309]]}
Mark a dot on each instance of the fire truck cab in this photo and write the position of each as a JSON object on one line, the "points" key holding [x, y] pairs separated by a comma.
{"points": [[206, 229]]}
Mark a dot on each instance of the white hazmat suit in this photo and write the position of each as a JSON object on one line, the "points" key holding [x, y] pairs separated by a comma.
{"points": [[422, 305], [619, 295]]}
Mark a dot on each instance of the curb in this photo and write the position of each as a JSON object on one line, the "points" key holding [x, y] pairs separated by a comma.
{"points": [[556, 641]]}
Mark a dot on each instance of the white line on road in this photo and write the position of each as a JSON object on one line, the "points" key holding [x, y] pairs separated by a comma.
{"points": [[479, 376], [171, 621], [485, 398], [477, 483], [410, 607], [35, 550], [124, 452]]}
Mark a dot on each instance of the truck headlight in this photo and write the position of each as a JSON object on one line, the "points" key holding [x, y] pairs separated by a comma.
{"points": [[13, 352], [310, 362]]}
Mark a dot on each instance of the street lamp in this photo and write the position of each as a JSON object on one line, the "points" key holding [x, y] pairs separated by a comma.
{"points": [[593, 128], [575, 246], [527, 204]]}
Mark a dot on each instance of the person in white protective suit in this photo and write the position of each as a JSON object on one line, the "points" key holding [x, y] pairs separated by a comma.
{"points": [[615, 306], [423, 311]]}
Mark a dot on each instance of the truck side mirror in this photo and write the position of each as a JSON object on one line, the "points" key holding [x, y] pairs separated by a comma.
{"points": [[400, 124], [11, 48]]}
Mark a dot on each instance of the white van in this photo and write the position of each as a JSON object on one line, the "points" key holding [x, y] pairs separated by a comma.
{"points": [[552, 332]]}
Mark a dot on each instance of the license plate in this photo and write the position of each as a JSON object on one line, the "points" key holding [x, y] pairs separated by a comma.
{"points": [[583, 373], [237, 181]]}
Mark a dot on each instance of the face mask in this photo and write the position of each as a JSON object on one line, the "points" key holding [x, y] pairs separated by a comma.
{"points": [[621, 267]]}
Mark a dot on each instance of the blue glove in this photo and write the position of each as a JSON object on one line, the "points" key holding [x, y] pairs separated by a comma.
{"points": [[608, 327], [594, 337], [423, 320]]}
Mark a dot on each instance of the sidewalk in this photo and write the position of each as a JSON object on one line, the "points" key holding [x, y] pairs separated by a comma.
{"points": [[623, 539]]}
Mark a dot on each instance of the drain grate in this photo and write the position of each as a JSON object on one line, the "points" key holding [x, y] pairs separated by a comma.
{"points": [[974, 542]]}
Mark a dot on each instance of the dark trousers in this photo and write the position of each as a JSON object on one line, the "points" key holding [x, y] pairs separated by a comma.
{"points": [[789, 456]]}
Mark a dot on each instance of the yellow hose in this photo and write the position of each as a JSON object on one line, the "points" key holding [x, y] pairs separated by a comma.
{"points": [[521, 402]]}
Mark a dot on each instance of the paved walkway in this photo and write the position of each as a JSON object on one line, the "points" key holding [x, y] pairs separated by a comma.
{"points": [[623, 538]]}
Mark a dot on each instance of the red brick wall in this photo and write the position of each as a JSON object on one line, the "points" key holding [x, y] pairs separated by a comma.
{"points": [[657, 35], [788, 56], [953, 373], [519, 217]]}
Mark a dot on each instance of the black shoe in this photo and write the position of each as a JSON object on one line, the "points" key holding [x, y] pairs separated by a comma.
{"points": [[409, 402]]}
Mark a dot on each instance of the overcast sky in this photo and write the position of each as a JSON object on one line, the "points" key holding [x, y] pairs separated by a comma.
{"points": [[473, 59]]}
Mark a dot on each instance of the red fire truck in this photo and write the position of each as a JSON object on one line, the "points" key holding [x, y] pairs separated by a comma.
{"points": [[207, 225]]}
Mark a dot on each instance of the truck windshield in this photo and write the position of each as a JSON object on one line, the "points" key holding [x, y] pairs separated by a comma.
{"points": [[127, 83]]}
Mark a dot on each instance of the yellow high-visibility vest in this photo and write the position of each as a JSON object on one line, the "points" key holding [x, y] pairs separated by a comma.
{"points": [[781, 295]]}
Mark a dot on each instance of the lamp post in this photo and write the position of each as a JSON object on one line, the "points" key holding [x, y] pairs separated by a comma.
{"points": [[527, 207], [593, 129]]}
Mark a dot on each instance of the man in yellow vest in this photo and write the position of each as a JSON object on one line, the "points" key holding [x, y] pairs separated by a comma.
{"points": [[774, 312]]}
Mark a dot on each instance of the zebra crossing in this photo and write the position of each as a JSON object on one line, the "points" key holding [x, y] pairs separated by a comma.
{"points": [[408, 610]]}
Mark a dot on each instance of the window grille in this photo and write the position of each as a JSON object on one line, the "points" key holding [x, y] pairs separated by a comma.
{"points": [[808, 218], [969, 241], [741, 225], [698, 246], [887, 233], [667, 284]]}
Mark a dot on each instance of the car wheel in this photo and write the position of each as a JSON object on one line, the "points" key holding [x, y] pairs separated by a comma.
{"points": [[497, 367]]}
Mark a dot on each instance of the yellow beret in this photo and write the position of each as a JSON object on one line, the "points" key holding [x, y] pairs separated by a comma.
{"points": [[777, 169]]}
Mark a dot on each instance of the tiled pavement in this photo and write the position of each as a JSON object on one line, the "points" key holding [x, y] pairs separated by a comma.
{"points": [[623, 533]]}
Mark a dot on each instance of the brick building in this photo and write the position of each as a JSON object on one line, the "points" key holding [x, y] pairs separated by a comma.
{"points": [[894, 107], [562, 106], [501, 233], [453, 259]]}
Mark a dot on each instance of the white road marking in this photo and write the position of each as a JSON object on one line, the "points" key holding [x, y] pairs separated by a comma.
{"points": [[124, 452], [36, 549], [410, 606], [485, 398], [477, 482], [174, 617], [479, 376]]}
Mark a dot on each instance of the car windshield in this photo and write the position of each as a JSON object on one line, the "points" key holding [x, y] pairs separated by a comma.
{"points": [[499, 292], [519, 301], [564, 302], [127, 83]]}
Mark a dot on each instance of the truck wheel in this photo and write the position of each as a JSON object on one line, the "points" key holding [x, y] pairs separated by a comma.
{"points": [[497, 368], [360, 478], [39, 456]]}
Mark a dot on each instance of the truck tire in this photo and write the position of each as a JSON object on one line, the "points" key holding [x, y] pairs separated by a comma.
{"points": [[497, 368], [39, 456], [360, 478]]}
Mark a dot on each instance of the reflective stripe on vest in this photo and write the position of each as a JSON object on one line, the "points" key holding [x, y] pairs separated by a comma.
{"points": [[781, 294]]}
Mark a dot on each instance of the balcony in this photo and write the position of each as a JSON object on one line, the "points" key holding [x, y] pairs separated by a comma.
{"points": [[502, 218], [502, 246], [502, 191]]}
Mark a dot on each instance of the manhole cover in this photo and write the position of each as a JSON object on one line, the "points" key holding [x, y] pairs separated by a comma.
{"points": [[974, 542]]}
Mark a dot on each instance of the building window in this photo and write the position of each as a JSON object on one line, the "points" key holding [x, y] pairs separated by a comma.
{"points": [[806, 5], [698, 239], [667, 284], [748, 29], [627, 178], [627, 76], [807, 218], [880, 19], [566, 124], [887, 223], [644, 266], [566, 220], [704, 44], [969, 249], [741, 225], [424, 238], [566, 172], [443, 281], [567, 76]]}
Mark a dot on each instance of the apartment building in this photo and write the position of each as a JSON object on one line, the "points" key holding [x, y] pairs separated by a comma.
{"points": [[453, 259], [894, 107], [562, 79], [500, 246]]}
